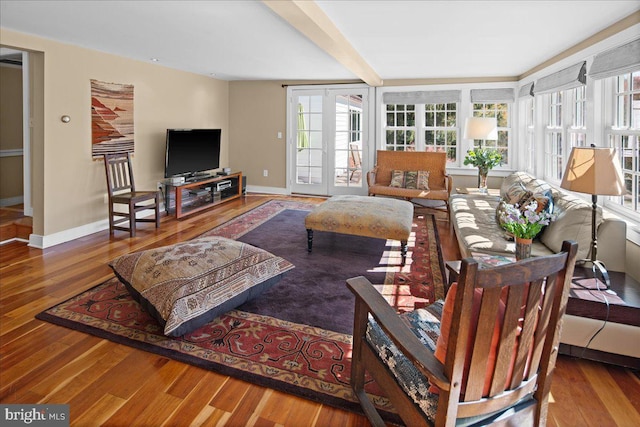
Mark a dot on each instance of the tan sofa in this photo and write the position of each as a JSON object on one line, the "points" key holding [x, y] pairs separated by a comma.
{"points": [[440, 183], [473, 217]]}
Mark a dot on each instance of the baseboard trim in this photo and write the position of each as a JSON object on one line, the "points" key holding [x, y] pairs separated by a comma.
{"points": [[43, 242], [267, 190], [599, 356], [11, 201]]}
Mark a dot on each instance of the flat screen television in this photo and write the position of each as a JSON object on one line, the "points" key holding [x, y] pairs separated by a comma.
{"points": [[191, 152]]}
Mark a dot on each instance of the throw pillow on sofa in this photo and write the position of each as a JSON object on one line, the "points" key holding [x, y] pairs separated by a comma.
{"points": [[411, 179], [397, 179], [414, 180], [518, 195], [423, 180]]}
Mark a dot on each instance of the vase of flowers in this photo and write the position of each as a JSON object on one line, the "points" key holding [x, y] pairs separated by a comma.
{"points": [[484, 159], [524, 224]]}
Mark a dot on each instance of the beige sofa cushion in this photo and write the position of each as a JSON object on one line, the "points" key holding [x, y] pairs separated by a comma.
{"points": [[573, 222], [473, 217]]}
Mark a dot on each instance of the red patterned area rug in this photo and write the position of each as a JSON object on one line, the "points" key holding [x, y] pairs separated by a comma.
{"points": [[311, 361]]}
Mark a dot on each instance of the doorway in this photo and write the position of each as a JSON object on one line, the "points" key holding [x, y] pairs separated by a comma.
{"points": [[15, 146], [328, 146]]}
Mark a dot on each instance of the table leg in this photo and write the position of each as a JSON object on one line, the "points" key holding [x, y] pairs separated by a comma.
{"points": [[403, 251], [309, 239]]}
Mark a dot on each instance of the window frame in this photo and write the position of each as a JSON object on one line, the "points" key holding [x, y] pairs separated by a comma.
{"points": [[613, 134], [489, 143], [565, 127], [463, 110]]}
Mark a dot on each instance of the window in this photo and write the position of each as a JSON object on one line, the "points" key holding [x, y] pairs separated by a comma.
{"points": [[565, 128], [441, 131], [624, 136], [553, 139], [400, 127], [422, 127], [501, 112], [578, 129], [530, 142]]}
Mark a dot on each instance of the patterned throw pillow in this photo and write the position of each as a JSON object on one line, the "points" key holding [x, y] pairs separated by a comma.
{"points": [[414, 180], [517, 194], [423, 180], [545, 201], [186, 285], [397, 179], [411, 179]]}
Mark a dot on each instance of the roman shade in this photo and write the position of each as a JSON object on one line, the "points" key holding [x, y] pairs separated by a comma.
{"points": [[421, 97], [568, 78], [493, 95], [613, 62], [526, 90]]}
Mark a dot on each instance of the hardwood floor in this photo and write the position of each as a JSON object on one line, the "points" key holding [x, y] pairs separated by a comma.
{"points": [[115, 385]]}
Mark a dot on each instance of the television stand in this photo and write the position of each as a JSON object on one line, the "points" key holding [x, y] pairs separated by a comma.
{"points": [[202, 193]]}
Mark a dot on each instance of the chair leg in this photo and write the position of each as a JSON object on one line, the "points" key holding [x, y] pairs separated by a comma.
{"points": [[132, 219], [111, 220], [157, 199]]}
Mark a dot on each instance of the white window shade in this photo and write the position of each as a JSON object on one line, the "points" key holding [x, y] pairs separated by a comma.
{"points": [[422, 97], [614, 62], [526, 90], [493, 95], [569, 78]]}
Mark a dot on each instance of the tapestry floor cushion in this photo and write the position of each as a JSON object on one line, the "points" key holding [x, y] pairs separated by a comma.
{"points": [[189, 284]]}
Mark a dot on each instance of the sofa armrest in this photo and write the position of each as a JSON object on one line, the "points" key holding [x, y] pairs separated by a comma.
{"points": [[448, 183], [371, 176], [612, 238]]}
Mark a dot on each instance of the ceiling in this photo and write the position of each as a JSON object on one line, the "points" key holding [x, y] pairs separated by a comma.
{"points": [[248, 40]]}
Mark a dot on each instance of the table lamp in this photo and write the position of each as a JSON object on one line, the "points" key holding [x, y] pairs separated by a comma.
{"points": [[594, 171], [481, 128]]}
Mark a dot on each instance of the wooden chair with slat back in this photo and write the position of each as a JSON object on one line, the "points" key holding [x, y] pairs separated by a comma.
{"points": [[490, 359], [122, 191]]}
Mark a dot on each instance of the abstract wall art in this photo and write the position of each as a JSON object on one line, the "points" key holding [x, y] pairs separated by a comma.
{"points": [[111, 118]]}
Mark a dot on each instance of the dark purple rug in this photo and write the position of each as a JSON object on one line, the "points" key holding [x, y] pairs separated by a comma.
{"points": [[314, 293]]}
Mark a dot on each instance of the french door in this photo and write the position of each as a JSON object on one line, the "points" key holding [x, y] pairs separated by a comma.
{"points": [[328, 151]]}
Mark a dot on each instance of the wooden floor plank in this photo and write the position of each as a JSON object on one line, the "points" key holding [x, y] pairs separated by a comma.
{"points": [[615, 405], [44, 363], [101, 411], [195, 402]]}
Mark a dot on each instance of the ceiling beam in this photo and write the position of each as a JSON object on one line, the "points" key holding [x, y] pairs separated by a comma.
{"points": [[308, 18]]}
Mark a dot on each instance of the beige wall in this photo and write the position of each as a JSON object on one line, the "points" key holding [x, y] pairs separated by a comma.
{"points": [[257, 112], [10, 131], [72, 185]]}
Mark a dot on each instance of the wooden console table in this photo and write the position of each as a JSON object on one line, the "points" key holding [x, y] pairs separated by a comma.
{"points": [[191, 197]]}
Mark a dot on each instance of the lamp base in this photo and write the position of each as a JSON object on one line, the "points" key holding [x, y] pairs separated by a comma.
{"points": [[598, 268]]}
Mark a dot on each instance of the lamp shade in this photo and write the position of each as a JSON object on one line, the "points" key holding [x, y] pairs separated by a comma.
{"points": [[594, 171], [481, 128]]}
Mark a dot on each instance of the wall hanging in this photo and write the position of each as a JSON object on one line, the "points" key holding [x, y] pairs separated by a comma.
{"points": [[111, 118]]}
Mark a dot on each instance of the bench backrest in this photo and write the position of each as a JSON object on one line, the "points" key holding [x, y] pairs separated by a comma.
{"points": [[434, 162]]}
